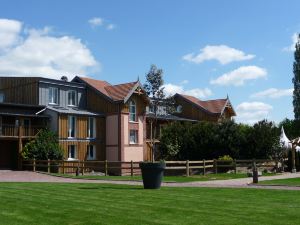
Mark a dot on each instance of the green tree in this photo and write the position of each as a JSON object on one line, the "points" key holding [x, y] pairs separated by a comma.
{"points": [[44, 146], [296, 81], [154, 88]]}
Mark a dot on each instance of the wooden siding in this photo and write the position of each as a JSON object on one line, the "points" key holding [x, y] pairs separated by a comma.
{"points": [[190, 111], [140, 104], [20, 90], [81, 147], [98, 103]]}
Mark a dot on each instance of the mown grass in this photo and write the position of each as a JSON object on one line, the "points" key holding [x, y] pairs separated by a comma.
{"points": [[285, 182], [59, 204], [179, 179]]}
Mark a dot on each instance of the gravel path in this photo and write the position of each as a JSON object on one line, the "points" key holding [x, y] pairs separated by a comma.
{"points": [[27, 176]]}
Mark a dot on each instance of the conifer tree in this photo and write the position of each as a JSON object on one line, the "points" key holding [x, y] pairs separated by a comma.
{"points": [[296, 80]]}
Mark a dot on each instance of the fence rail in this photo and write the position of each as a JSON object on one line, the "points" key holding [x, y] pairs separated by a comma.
{"points": [[131, 167]]}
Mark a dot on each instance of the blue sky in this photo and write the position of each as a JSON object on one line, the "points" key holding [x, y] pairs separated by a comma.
{"points": [[206, 48]]}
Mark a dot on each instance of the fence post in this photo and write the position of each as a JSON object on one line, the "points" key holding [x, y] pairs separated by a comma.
{"points": [[216, 166], [187, 168], [33, 165], [82, 171], [204, 167], [131, 168], [48, 165], [63, 167], [234, 165], [105, 167]]}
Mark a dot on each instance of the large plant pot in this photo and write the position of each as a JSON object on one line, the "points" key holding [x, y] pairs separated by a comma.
{"points": [[152, 173]]}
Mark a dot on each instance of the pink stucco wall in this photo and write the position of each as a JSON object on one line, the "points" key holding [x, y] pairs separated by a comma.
{"points": [[133, 153], [126, 129]]}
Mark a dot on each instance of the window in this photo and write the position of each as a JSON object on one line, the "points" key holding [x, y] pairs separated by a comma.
{"points": [[91, 128], [1, 97], [72, 153], [72, 98], [72, 126], [91, 152], [53, 95], [133, 139], [132, 111]]}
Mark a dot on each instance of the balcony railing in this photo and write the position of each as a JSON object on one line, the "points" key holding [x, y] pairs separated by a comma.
{"points": [[8, 130]]}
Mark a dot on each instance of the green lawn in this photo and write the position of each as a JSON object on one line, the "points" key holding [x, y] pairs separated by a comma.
{"points": [[287, 182], [59, 204], [221, 176]]}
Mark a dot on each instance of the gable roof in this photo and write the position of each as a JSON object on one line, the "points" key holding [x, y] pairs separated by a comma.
{"points": [[120, 92], [215, 106]]}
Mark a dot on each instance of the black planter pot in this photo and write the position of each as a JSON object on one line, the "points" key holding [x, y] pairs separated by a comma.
{"points": [[152, 173]]}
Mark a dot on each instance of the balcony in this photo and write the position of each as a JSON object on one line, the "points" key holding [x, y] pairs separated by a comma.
{"points": [[13, 131]]}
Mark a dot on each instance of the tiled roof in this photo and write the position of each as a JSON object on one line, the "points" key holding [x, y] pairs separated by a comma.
{"points": [[214, 106], [114, 92]]}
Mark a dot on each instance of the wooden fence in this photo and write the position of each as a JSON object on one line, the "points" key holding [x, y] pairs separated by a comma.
{"points": [[131, 168]]}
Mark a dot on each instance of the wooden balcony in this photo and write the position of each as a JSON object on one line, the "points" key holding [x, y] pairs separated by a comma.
{"points": [[12, 131]]}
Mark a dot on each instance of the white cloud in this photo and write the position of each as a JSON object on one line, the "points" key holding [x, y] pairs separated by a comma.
{"points": [[222, 53], [110, 26], [171, 89], [9, 33], [96, 21], [291, 48], [238, 76], [42, 54], [273, 93], [251, 112]]}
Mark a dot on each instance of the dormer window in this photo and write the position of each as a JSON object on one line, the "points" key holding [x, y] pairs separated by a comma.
{"points": [[72, 98], [132, 111], [53, 95]]}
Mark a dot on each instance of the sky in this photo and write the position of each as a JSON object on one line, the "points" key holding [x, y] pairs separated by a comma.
{"points": [[208, 49]]}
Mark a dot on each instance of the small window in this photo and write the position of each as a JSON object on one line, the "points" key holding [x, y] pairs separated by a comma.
{"points": [[91, 128], [53, 95], [1, 97], [72, 98], [72, 126], [179, 109], [132, 111], [91, 152], [133, 139], [72, 153]]}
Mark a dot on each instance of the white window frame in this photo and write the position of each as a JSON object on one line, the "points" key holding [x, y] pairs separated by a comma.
{"points": [[70, 153], [70, 124], [132, 113], [136, 139], [75, 98], [2, 97], [93, 121], [52, 92], [89, 149]]}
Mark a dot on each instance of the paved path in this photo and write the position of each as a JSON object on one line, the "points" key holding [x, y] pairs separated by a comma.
{"points": [[26, 176]]}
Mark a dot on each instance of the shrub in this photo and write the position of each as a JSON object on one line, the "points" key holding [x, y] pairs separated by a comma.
{"points": [[44, 146], [225, 158]]}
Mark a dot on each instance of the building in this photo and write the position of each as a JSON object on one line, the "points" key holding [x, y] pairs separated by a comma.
{"points": [[57, 104]]}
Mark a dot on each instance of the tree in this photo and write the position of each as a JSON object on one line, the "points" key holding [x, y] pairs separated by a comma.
{"points": [[154, 88], [296, 80], [44, 146]]}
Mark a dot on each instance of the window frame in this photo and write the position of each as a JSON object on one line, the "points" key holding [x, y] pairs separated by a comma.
{"points": [[136, 137], [89, 127], [89, 148], [70, 124], [70, 153], [132, 103], [75, 96], [51, 100]]}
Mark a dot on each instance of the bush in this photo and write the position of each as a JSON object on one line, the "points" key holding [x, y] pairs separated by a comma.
{"points": [[225, 158], [44, 146]]}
